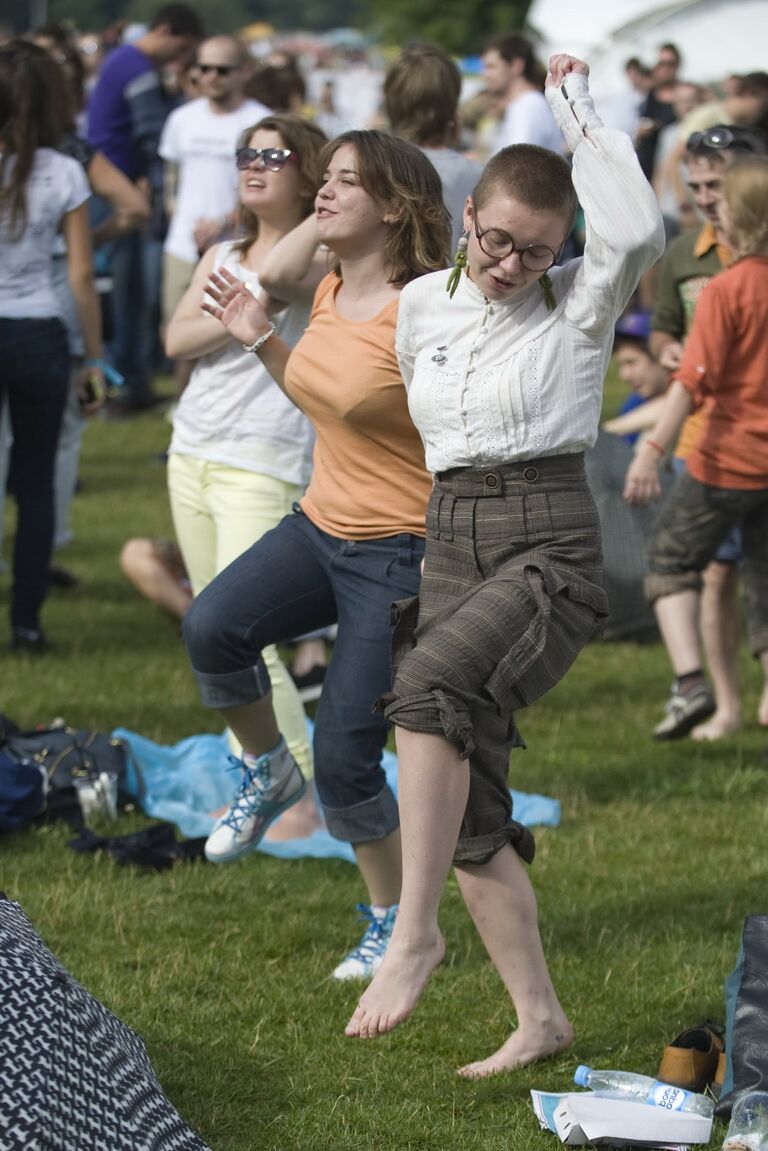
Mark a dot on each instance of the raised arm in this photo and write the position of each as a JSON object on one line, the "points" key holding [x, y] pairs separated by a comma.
{"points": [[625, 234], [295, 266]]}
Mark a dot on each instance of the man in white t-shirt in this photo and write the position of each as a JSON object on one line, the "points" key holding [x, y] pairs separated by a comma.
{"points": [[198, 147], [513, 76]]}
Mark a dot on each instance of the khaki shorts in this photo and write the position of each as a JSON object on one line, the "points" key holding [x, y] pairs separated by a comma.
{"points": [[177, 276]]}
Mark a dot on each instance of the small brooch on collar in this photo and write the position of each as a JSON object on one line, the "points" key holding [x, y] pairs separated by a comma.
{"points": [[439, 358]]}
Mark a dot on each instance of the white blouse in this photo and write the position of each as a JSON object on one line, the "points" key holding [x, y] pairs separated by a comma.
{"points": [[492, 382]]}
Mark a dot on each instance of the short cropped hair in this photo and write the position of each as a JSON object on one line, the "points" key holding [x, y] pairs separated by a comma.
{"points": [[181, 19], [533, 176], [421, 95], [745, 191], [399, 177]]}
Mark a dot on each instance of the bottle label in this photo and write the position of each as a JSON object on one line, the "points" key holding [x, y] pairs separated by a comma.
{"points": [[670, 1098]]}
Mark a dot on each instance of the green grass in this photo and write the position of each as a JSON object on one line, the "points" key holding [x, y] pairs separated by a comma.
{"points": [[224, 971]]}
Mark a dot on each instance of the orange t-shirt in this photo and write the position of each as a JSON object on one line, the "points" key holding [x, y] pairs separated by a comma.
{"points": [[369, 479], [725, 364], [694, 425]]}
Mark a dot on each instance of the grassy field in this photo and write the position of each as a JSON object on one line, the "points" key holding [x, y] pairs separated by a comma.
{"points": [[224, 971]]}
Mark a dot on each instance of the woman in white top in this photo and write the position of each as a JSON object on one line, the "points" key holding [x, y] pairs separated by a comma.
{"points": [[240, 454], [42, 193], [504, 383]]}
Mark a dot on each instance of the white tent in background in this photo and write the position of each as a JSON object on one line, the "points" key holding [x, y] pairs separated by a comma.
{"points": [[715, 37]]}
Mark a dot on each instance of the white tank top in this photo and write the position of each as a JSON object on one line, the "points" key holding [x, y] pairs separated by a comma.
{"points": [[232, 411]]}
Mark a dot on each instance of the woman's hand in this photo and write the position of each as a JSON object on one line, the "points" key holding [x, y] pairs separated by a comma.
{"points": [[641, 485], [561, 66], [235, 306], [91, 389]]}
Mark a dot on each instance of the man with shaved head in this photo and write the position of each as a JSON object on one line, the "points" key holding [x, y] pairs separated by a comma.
{"points": [[198, 147]]}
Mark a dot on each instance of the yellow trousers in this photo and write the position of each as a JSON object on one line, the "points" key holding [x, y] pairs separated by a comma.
{"points": [[218, 512]]}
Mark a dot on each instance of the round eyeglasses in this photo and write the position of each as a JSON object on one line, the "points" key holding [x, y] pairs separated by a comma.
{"points": [[499, 244], [273, 159]]}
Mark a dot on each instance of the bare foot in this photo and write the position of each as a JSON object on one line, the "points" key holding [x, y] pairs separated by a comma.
{"points": [[298, 822], [524, 1046], [718, 726], [762, 708], [395, 988]]}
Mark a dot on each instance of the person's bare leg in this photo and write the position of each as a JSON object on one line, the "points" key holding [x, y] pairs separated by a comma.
{"points": [[147, 572], [380, 864], [309, 653], [678, 619], [433, 785], [721, 627], [254, 725], [762, 707], [501, 901]]}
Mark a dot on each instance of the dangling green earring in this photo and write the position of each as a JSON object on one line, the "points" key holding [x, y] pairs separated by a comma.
{"points": [[549, 294], [459, 263]]}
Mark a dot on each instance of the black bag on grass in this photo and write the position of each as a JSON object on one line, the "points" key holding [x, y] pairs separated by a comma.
{"points": [[746, 1017]]}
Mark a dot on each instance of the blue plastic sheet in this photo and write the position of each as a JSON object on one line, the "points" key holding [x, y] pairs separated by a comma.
{"points": [[186, 783]]}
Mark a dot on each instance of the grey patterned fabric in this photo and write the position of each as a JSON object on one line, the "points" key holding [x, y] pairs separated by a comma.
{"points": [[73, 1077]]}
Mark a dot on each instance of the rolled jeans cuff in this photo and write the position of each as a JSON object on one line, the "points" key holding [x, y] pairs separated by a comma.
{"points": [[233, 688], [364, 822]]}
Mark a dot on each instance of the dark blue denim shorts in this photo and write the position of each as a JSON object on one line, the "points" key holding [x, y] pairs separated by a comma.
{"points": [[296, 579]]}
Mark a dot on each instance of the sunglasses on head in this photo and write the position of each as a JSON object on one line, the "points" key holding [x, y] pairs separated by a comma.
{"points": [[273, 159], [219, 69], [718, 139]]}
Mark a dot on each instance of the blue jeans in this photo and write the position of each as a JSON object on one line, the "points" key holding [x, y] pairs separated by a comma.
{"points": [[34, 377], [294, 580], [133, 323]]}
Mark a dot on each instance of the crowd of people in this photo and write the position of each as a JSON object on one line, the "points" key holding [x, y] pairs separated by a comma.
{"points": [[389, 344]]}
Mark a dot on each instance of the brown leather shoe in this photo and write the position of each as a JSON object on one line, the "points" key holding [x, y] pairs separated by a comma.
{"points": [[690, 1061], [716, 1086]]}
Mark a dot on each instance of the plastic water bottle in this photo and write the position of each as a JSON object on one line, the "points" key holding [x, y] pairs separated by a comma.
{"points": [[748, 1129], [625, 1084]]}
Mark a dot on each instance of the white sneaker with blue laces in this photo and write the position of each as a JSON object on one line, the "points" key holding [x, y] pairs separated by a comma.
{"points": [[365, 960], [270, 784]]}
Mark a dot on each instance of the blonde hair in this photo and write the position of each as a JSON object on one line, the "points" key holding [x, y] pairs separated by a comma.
{"points": [[401, 179], [745, 191]]}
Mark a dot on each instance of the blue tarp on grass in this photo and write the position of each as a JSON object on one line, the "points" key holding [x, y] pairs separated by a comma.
{"points": [[186, 783]]}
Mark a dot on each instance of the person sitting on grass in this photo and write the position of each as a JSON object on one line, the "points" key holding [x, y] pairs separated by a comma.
{"points": [[505, 386], [636, 366]]}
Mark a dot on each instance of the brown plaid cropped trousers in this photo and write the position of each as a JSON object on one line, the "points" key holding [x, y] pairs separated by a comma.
{"points": [[511, 593]]}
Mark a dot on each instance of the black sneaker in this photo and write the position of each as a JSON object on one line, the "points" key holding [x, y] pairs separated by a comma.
{"points": [[33, 641]]}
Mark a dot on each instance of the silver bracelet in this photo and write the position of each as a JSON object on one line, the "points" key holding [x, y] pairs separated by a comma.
{"points": [[254, 347]]}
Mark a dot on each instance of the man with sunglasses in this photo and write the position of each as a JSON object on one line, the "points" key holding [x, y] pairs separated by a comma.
{"points": [[197, 145], [689, 262]]}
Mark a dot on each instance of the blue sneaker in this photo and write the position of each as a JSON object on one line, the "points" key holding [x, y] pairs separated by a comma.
{"points": [[258, 803], [365, 960]]}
